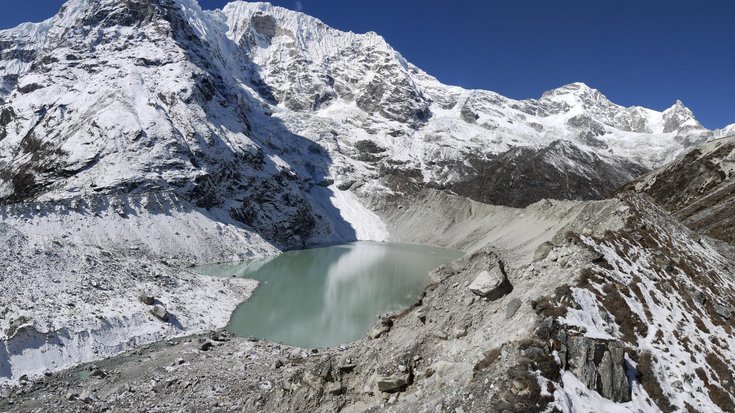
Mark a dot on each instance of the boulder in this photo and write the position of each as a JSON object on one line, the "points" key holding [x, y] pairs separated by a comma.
{"points": [[325, 182], [98, 373], [313, 380], [421, 316], [699, 297], [147, 299], [491, 284], [335, 388], [725, 311], [88, 396], [160, 312], [394, 382], [378, 331], [511, 308], [542, 251], [599, 364], [345, 185]]}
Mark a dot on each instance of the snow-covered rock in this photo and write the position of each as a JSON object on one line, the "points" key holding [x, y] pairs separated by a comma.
{"points": [[248, 107]]}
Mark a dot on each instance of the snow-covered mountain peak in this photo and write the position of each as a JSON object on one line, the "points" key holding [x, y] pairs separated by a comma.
{"points": [[157, 92], [577, 89], [308, 33], [580, 99], [679, 117], [679, 109]]}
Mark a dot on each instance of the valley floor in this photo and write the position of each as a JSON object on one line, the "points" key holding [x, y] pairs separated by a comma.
{"points": [[526, 350]]}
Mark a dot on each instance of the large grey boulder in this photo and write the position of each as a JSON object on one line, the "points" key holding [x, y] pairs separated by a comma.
{"points": [[599, 364], [394, 382], [491, 283], [160, 312]]}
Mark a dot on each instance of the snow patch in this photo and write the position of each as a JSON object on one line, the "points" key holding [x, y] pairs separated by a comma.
{"points": [[367, 225]]}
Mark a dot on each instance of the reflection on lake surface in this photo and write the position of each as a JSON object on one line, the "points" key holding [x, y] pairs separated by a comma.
{"points": [[328, 296]]}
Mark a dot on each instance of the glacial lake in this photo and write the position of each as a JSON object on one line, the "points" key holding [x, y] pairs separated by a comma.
{"points": [[324, 297]]}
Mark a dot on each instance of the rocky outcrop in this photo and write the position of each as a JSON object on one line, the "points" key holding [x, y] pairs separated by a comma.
{"points": [[724, 310], [264, 25], [496, 179], [599, 364]]}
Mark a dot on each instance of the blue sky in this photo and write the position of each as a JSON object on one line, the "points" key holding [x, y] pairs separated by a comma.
{"points": [[637, 52]]}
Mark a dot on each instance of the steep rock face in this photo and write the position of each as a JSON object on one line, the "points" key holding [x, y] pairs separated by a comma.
{"points": [[699, 188], [356, 87], [135, 96], [306, 65], [563, 170]]}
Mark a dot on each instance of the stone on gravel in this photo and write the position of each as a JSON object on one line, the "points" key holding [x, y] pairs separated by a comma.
{"points": [[99, 373], [160, 312], [347, 364], [147, 299], [394, 382], [421, 316], [542, 251], [459, 331], [491, 284], [335, 388], [87, 396], [511, 308]]}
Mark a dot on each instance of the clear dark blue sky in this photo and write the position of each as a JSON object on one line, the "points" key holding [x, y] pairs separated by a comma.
{"points": [[637, 52]]}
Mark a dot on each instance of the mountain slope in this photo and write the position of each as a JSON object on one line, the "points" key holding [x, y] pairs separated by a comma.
{"points": [[615, 307], [698, 188], [140, 137]]}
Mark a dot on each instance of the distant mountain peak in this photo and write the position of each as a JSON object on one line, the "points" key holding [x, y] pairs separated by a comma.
{"points": [[575, 88], [678, 116], [679, 107], [577, 93]]}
